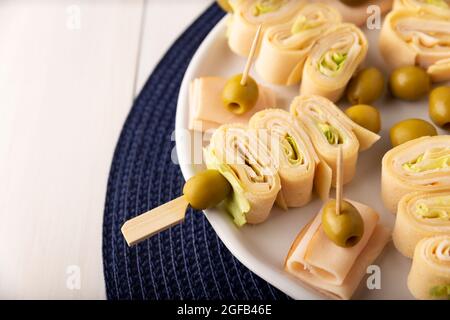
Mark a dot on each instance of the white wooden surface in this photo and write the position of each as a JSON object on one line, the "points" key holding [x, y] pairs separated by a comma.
{"points": [[68, 73]]}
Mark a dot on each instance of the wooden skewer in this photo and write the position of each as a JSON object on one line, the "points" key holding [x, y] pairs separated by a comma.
{"points": [[251, 56], [339, 180], [156, 220]]}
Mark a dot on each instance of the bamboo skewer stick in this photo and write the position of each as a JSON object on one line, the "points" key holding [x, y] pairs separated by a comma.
{"points": [[156, 220], [251, 56], [339, 180]]}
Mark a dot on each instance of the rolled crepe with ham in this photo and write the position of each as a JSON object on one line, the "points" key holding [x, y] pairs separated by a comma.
{"points": [[421, 215], [332, 270], [249, 14], [329, 128], [293, 153], [206, 109], [285, 47], [419, 38], [437, 7], [417, 165], [429, 278], [246, 163], [333, 60], [358, 14]]}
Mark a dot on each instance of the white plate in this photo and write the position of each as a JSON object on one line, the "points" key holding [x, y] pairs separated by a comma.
{"points": [[263, 248]]}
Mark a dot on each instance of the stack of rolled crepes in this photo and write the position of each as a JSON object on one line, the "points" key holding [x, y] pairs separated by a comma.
{"points": [[206, 109], [417, 37], [336, 271], [285, 47], [429, 277], [417, 165], [328, 127], [421, 215], [294, 157], [333, 60], [249, 14]]}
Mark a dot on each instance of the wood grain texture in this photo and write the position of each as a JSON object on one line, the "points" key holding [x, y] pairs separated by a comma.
{"points": [[67, 80]]}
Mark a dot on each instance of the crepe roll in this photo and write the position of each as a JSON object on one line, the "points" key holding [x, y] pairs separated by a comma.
{"points": [[293, 153], [419, 38], [429, 278], [437, 7], [332, 270], [417, 165], [358, 14], [246, 163], [285, 47], [206, 108], [333, 60], [249, 14], [421, 215], [329, 128]]}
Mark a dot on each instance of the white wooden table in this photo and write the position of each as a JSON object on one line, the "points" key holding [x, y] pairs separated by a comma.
{"points": [[69, 71]]}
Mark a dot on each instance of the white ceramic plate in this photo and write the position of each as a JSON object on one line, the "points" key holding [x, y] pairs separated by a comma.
{"points": [[263, 248]]}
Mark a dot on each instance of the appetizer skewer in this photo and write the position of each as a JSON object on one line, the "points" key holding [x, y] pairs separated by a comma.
{"points": [[332, 252], [214, 101]]}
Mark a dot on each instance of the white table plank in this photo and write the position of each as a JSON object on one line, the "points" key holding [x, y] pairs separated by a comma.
{"points": [[66, 85], [164, 21]]}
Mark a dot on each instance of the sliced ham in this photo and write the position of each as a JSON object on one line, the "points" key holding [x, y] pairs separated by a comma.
{"points": [[206, 107], [332, 270]]}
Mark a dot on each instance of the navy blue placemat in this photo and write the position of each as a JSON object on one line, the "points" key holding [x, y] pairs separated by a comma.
{"points": [[187, 261]]}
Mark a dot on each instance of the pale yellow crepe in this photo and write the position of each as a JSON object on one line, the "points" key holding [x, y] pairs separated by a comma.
{"points": [[293, 153], [421, 215], [285, 47], [329, 128], [429, 277], [437, 7], [333, 60], [249, 14], [247, 164], [358, 14], [411, 37], [416, 165]]}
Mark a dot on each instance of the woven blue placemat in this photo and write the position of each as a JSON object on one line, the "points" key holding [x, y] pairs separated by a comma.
{"points": [[187, 261]]}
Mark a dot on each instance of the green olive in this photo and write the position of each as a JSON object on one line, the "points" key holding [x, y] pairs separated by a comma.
{"points": [[344, 229], [353, 3], [439, 107], [225, 5], [409, 83], [239, 98], [366, 116], [366, 87], [206, 189], [411, 129]]}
